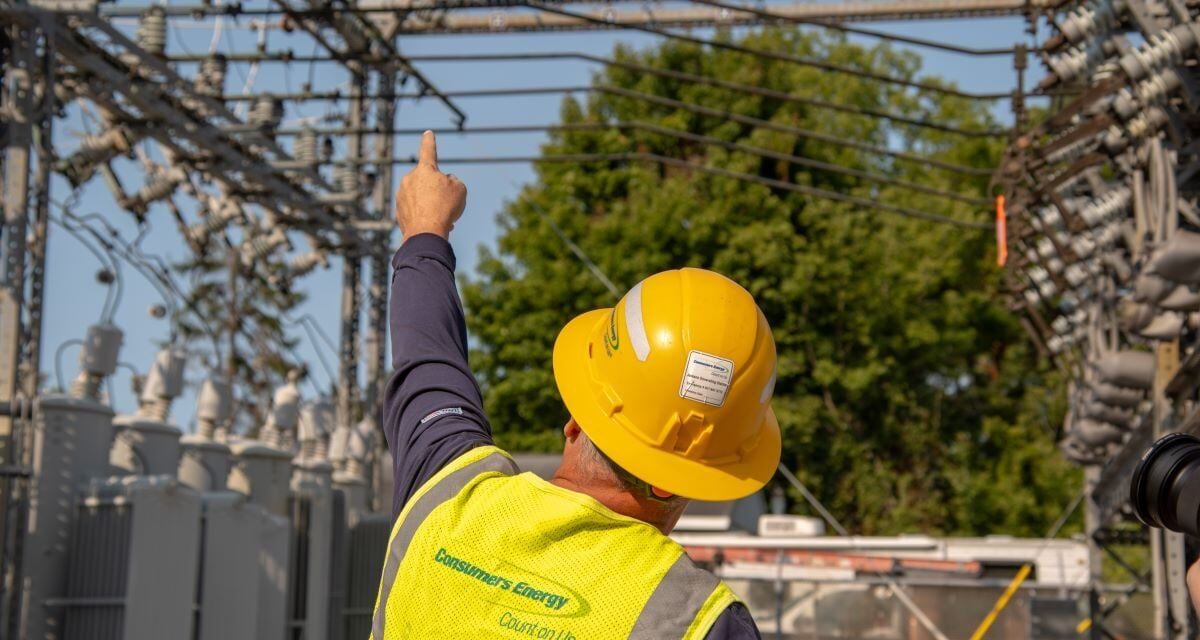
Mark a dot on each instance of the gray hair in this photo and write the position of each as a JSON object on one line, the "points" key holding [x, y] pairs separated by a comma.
{"points": [[627, 480]]}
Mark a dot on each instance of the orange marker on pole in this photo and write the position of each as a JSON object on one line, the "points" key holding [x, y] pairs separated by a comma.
{"points": [[1001, 232]]}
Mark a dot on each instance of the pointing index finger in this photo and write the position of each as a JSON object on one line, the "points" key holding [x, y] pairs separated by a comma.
{"points": [[428, 155]]}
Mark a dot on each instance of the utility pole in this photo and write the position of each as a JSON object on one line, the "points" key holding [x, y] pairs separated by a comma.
{"points": [[20, 118], [348, 397], [26, 72], [377, 291]]}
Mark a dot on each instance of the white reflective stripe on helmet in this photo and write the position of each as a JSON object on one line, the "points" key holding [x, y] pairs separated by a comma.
{"points": [[634, 324], [768, 389]]}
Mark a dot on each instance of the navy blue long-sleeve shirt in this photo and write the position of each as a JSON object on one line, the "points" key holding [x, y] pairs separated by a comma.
{"points": [[433, 408]]}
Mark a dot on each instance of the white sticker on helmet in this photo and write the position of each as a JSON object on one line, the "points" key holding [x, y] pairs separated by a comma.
{"points": [[634, 324], [706, 378]]}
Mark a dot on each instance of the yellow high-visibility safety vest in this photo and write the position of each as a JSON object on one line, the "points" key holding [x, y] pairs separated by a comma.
{"points": [[481, 552]]}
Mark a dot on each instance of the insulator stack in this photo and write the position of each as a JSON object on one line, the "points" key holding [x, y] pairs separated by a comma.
{"points": [[1161, 50], [215, 221], [93, 150], [305, 263], [347, 178], [1158, 86], [263, 246], [1072, 151], [152, 31], [1077, 61], [1089, 20], [1147, 123], [267, 112], [158, 188], [210, 79], [1107, 206], [304, 148]]}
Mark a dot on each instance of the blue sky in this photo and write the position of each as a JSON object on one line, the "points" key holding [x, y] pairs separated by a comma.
{"points": [[74, 299]]}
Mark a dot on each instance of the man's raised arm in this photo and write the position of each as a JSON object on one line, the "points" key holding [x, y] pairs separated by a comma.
{"points": [[433, 411]]}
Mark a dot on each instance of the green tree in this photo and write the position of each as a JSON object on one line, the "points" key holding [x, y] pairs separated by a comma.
{"points": [[906, 394]]}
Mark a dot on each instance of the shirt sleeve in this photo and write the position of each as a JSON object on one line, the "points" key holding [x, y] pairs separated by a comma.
{"points": [[734, 623], [433, 409]]}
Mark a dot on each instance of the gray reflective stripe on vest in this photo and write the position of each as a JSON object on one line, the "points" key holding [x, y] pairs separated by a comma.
{"points": [[675, 603], [449, 487]]}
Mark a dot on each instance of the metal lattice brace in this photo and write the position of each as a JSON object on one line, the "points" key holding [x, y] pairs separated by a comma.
{"points": [[231, 155]]}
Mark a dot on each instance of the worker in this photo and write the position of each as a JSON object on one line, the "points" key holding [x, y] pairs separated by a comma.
{"points": [[669, 395]]}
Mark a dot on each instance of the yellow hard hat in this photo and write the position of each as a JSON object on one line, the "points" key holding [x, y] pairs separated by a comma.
{"points": [[674, 384]]}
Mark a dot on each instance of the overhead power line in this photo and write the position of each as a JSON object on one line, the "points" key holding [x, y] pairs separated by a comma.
{"points": [[505, 22], [716, 82], [699, 110], [672, 133], [828, 138], [815, 192], [287, 57], [779, 56], [433, 18], [772, 17], [735, 117]]}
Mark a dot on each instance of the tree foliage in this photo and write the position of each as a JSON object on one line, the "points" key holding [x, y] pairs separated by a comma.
{"points": [[906, 393], [263, 353]]}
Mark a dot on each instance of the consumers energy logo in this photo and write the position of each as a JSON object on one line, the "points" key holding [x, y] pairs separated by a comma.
{"points": [[518, 588], [612, 339]]}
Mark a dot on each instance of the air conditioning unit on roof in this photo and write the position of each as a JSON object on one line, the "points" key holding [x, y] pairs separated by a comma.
{"points": [[783, 526]]}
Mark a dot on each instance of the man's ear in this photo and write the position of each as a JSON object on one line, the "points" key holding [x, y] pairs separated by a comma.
{"points": [[660, 493], [571, 430]]}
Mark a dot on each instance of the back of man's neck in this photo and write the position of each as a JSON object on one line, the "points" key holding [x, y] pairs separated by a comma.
{"points": [[615, 498]]}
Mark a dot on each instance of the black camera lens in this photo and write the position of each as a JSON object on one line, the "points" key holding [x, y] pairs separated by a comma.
{"points": [[1165, 490]]}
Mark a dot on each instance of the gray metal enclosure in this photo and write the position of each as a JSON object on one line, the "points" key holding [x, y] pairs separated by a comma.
{"points": [[136, 533]]}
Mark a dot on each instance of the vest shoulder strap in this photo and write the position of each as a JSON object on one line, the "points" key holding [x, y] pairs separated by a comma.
{"points": [[685, 604], [443, 486]]}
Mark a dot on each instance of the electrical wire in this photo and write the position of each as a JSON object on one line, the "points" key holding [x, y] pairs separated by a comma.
{"points": [[161, 281], [815, 192], [574, 248], [286, 57], [688, 136], [775, 55], [919, 159], [330, 377], [58, 361], [112, 299], [837, 26], [829, 518], [320, 331], [736, 87], [118, 247]]}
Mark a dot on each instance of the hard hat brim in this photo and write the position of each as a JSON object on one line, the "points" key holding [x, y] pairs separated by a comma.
{"points": [[666, 470]]}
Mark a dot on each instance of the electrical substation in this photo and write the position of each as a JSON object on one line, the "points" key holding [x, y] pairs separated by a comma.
{"points": [[264, 512]]}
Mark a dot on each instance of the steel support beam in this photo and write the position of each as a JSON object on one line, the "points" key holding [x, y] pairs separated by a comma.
{"points": [[18, 110], [1092, 525], [1172, 615], [348, 396], [377, 290], [508, 21], [27, 76]]}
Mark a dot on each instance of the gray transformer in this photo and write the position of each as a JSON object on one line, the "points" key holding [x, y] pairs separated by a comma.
{"points": [[138, 532], [133, 570], [262, 473], [242, 543], [70, 447]]}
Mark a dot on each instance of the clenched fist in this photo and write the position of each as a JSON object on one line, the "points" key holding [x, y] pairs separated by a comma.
{"points": [[429, 201]]}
